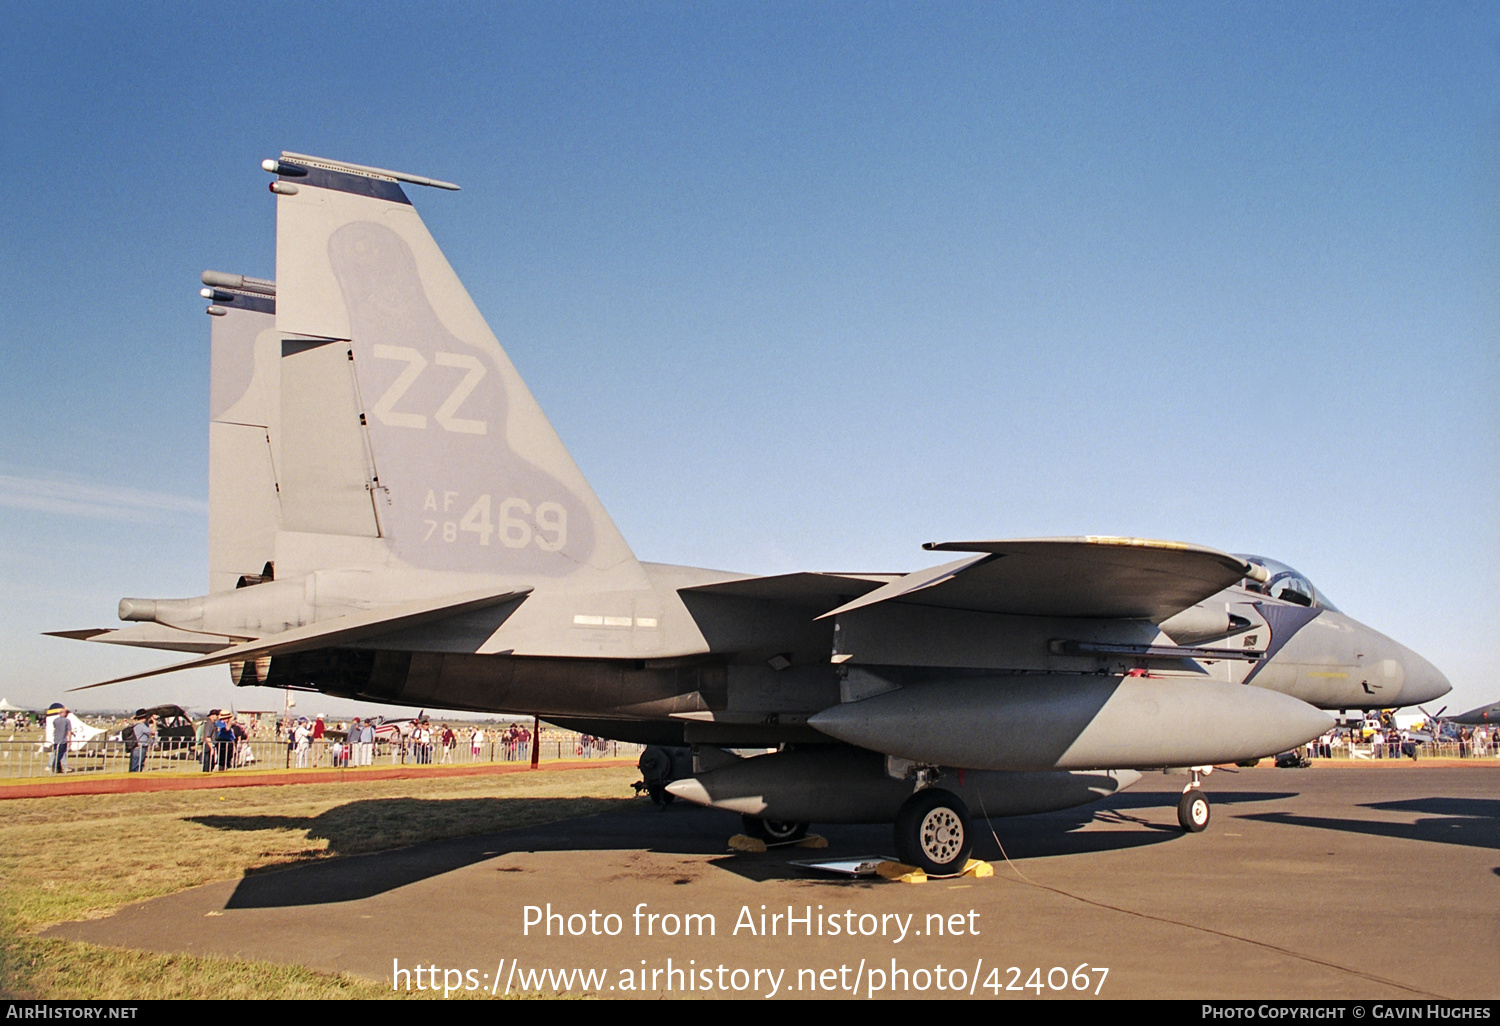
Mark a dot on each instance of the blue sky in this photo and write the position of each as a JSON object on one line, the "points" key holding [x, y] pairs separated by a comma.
{"points": [[803, 286]]}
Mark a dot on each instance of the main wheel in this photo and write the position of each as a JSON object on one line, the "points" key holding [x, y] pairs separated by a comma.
{"points": [[774, 831], [932, 832], [1192, 811]]}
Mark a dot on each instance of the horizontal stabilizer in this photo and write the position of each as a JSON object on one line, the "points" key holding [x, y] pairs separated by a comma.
{"points": [[154, 635], [341, 630], [1128, 578]]}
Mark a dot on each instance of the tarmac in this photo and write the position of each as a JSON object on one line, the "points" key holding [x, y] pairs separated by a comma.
{"points": [[1358, 882]]}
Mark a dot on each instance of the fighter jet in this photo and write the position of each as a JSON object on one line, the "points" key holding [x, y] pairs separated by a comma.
{"points": [[392, 518], [1485, 715]]}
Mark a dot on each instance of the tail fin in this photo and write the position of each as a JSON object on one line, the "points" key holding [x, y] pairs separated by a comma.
{"points": [[396, 415], [244, 399], [286, 450]]}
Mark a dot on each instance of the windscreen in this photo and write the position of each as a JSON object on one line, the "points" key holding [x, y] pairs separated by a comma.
{"points": [[1286, 584]]}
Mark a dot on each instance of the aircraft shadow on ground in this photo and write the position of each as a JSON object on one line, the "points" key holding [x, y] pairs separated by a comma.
{"points": [[1439, 806], [349, 830], [353, 828], [1470, 822]]}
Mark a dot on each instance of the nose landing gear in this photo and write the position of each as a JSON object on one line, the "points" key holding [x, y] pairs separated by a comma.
{"points": [[1192, 807]]}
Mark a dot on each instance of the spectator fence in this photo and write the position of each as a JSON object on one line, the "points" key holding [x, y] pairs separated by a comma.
{"points": [[21, 759]]}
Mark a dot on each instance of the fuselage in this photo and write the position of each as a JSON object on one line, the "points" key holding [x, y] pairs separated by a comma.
{"points": [[764, 664]]}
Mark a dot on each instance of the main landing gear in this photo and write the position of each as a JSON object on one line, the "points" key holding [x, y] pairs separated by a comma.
{"points": [[1192, 807], [932, 832]]}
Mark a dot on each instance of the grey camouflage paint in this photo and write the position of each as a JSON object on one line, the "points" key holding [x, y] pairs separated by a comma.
{"points": [[431, 475]]}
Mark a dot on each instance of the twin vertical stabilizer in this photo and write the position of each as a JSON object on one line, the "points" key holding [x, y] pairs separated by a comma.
{"points": [[364, 412]]}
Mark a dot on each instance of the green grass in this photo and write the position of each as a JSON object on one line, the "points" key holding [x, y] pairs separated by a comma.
{"points": [[64, 970], [63, 859]]}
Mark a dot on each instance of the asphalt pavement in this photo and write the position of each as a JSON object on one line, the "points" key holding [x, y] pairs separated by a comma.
{"points": [[1321, 883]]}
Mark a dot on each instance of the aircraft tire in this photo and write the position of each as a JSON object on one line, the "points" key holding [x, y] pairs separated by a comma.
{"points": [[1193, 811], [932, 832], [774, 831]]}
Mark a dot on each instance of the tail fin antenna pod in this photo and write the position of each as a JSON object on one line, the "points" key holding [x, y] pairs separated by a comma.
{"points": [[467, 473]]}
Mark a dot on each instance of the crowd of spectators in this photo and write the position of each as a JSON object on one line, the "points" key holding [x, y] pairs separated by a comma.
{"points": [[223, 739], [1380, 737], [223, 742]]}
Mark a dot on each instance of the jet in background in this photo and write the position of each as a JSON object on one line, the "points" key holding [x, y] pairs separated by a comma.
{"points": [[1485, 715], [393, 519], [1434, 726]]}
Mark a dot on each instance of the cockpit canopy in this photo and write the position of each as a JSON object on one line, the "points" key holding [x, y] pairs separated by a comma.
{"points": [[1285, 583]]}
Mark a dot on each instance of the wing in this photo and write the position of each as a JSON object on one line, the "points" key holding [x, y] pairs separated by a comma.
{"points": [[1127, 578]]}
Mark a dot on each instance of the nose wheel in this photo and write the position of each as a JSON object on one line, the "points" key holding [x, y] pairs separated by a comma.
{"points": [[1192, 811], [1192, 807]]}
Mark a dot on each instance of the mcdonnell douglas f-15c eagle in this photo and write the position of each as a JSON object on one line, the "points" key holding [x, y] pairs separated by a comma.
{"points": [[392, 518]]}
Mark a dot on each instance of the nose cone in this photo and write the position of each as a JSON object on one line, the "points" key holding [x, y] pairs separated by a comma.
{"points": [[1423, 681]]}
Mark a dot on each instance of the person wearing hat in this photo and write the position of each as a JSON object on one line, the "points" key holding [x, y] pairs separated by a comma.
{"points": [[367, 743], [224, 742], [144, 733], [301, 740], [60, 731], [210, 739]]}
